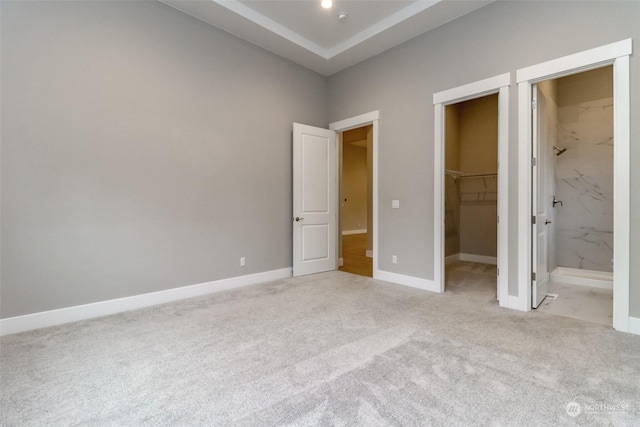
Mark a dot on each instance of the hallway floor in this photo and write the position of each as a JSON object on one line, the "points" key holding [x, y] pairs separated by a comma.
{"points": [[355, 260]]}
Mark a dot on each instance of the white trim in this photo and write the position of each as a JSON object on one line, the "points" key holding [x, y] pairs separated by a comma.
{"points": [[581, 277], [472, 90], [514, 303], [379, 27], [503, 196], [273, 26], [401, 279], [524, 196], [438, 194], [376, 162], [618, 55], [451, 258], [497, 84], [340, 262], [621, 192], [355, 122], [634, 325], [371, 118], [326, 53], [368, 253], [581, 61], [349, 232], [481, 259], [14, 325]]}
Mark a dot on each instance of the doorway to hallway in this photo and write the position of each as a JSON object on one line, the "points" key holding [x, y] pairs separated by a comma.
{"points": [[356, 201]]}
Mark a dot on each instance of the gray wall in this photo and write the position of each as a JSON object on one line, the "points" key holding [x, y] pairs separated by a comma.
{"points": [[499, 38], [142, 150], [478, 137]]}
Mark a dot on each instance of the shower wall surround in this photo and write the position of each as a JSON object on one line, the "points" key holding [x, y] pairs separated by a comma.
{"points": [[584, 183]]}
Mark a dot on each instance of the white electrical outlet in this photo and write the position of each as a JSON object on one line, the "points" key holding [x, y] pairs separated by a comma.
{"points": [[395, 204], [394, 259], [242, 262]]}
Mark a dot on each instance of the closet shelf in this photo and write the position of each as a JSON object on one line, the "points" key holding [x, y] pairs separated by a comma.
{"points": [[478, 188], [478, 175]]}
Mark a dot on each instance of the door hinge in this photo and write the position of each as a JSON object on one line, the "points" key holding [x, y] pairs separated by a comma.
{"points": [[497, 271], [533, 219], [534, 104], [534, 161], [533, 276]]}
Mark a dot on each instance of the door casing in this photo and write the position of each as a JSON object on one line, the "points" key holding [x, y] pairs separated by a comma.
{"points": [[500, 85], [616, 54], [371, 118]]}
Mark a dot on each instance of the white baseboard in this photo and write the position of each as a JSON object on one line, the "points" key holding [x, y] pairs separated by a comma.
{"points": [[340, 262], [576, 276], [369, 253], [514, 303], [452, 258], [634, 325], [347, 232], [14, 325], [482, 259], [401, 279]]}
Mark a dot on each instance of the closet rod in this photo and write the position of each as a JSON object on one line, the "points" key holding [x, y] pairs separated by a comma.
{"points": [[478, 175]]}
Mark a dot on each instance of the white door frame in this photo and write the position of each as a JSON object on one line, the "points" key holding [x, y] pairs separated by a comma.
{"points": [[366, 119], [618, 55], [500, 85]]}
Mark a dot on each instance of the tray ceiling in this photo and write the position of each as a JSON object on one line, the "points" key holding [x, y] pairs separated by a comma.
{"points": [[305, 33]]}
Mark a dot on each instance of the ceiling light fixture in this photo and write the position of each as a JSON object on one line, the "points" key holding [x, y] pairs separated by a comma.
{"points": [[326, 4]]}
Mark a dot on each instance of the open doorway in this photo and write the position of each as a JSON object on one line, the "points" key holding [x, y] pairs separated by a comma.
{"points": [[494, 85], [573, 199], [617, 54], [315, 218], [356, 201], [471, 197]]}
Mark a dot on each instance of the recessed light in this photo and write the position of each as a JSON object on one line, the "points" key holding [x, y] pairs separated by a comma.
{"points": [[326, 4]]}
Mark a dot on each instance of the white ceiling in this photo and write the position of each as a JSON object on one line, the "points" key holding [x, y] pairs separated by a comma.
{"points": [[305, 33]]}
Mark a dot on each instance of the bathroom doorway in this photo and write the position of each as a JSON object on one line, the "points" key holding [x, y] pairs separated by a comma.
{"points": [[471, 197], [573, 203]]}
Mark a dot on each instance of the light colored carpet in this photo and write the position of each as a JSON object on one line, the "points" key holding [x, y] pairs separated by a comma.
{"points": [[327, 349]]}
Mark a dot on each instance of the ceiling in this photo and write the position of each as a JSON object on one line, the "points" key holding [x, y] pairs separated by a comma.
{"points": [[305, 33]]}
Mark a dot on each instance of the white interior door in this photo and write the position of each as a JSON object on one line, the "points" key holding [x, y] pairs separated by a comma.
{"points": [[540, 200], [314, 199]]}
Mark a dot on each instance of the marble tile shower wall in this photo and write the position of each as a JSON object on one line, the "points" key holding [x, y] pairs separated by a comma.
{"points": [[584, 183]]}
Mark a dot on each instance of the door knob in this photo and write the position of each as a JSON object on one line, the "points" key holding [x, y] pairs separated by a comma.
{"points": [[547, 222], [299, 219]]}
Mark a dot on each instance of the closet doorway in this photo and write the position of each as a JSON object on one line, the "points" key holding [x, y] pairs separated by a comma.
{"points": [[497, 86], [471, 197]]}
